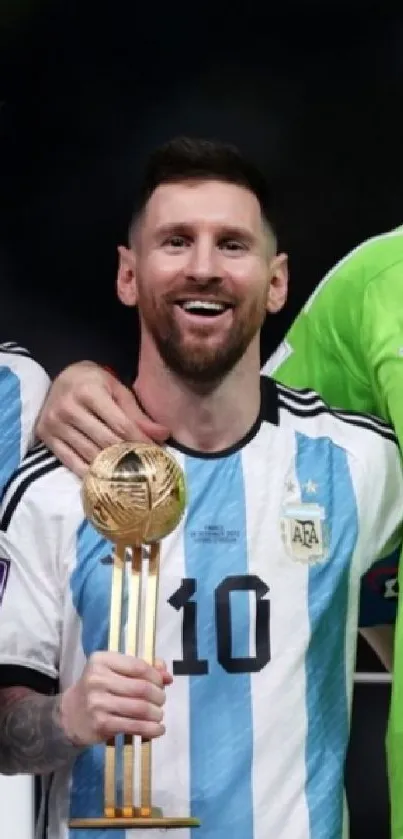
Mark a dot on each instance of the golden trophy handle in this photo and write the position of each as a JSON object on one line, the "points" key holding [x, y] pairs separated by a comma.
{"points": [[115, 623], [133, 495], [131, 648], [150, 625], [130, 815]]}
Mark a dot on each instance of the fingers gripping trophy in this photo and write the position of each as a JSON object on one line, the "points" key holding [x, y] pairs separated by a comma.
{"points": [[134, 495]]}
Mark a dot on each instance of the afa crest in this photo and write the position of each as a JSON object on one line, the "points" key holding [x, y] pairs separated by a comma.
{"points": [[304, 533]]}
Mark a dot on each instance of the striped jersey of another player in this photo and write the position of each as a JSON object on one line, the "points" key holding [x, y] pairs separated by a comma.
{"points": [[23, 387], [257, 619]]}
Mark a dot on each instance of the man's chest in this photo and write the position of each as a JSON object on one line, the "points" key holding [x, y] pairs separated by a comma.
{"points": [[265, 549], [253, 601]]}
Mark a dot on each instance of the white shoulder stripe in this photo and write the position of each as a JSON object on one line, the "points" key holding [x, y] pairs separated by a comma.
{"points": [[309, 398], [38, 463], [376, 423], [303, 395], [35, 457], [304, 404], [12, 348], [308, 404]]}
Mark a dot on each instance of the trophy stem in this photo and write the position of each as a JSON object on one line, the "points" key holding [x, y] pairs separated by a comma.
{"points": [[118, 571], [133, 493], [133, 619], [150, 623]]}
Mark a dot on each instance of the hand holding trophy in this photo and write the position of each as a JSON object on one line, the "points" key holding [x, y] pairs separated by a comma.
{"points": [[134, 495]]}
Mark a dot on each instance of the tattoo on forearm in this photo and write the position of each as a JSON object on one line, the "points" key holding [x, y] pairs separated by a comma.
{"points": [[32, 739]]}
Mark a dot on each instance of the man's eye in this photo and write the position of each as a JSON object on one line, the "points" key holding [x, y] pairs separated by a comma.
{"points": [[176, 241], [232, 245]]}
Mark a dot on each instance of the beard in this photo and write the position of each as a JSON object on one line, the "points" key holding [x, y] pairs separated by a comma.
{"points": [[200, 365]]}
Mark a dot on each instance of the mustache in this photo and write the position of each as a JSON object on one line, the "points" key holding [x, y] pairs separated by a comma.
{"points": [[201, 291]]}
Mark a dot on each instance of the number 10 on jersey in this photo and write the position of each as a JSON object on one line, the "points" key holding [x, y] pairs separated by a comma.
{"points": [[185, 599]]}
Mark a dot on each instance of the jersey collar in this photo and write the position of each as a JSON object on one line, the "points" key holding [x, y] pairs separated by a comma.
{"points": [[268, 413]]}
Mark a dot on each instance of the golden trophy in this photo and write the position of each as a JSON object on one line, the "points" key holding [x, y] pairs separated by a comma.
{"points": [[134, 495]]}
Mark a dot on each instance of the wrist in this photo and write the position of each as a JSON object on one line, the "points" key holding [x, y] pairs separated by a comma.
{"points": [[67, 714]]}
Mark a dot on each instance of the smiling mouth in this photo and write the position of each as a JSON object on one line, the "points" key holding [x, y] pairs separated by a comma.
{"points": [[204, 308]]}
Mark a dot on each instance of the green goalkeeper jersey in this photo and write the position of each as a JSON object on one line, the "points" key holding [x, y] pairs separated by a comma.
{"points": [[347, 344]]}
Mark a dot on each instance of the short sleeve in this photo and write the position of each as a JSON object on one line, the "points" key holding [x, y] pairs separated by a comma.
{"points": [[381, 498], [23, 388], [35, 541], [382, 343]]}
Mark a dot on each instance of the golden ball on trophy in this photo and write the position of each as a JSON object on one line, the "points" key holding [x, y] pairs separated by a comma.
{"points": [[134, 493]]}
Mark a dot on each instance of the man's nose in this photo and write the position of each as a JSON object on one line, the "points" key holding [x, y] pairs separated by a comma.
{"points": [[203, 264]]}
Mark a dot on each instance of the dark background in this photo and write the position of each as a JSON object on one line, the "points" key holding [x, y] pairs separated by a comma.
{"points": [[311, 90]]}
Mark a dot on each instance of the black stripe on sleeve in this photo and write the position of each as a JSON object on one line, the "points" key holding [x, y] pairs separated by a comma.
{"points": [[15, 675], [12, 348], [15, 499], [366, 421], [35, 457]]}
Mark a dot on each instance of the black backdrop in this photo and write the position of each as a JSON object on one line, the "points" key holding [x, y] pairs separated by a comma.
{"points": [[313, 93]]}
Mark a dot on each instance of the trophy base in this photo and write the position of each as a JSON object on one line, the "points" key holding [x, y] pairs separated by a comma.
{"points": [[155, 819]]}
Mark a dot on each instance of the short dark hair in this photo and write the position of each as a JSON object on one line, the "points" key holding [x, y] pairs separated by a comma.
{"points": [[186, 158]]}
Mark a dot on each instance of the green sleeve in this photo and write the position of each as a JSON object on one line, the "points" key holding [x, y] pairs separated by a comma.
{"points": [[302, 361], [322, 352], [382, 344]]}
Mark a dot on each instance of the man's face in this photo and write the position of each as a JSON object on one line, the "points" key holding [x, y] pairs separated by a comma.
{"points": [[202, 272]]}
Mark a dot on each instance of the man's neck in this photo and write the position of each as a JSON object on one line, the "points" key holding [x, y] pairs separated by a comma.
{"points": [[204, 421]]}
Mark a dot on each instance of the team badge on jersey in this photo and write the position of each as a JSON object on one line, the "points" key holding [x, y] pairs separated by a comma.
{"points": [[304, 532], [4, 572]]}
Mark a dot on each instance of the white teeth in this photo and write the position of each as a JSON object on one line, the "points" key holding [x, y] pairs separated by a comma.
{"points": [[191, 305]]}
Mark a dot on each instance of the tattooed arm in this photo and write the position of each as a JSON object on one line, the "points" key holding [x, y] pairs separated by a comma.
{"points": [[32, 737], [116, 694]]}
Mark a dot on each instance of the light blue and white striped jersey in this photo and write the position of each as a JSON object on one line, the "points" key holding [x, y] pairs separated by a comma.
{"points": [[23, 387], [257, 618]]}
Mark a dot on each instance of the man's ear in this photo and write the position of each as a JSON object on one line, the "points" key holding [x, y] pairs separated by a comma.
{"points": [[126, 278], [278, 286]]}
